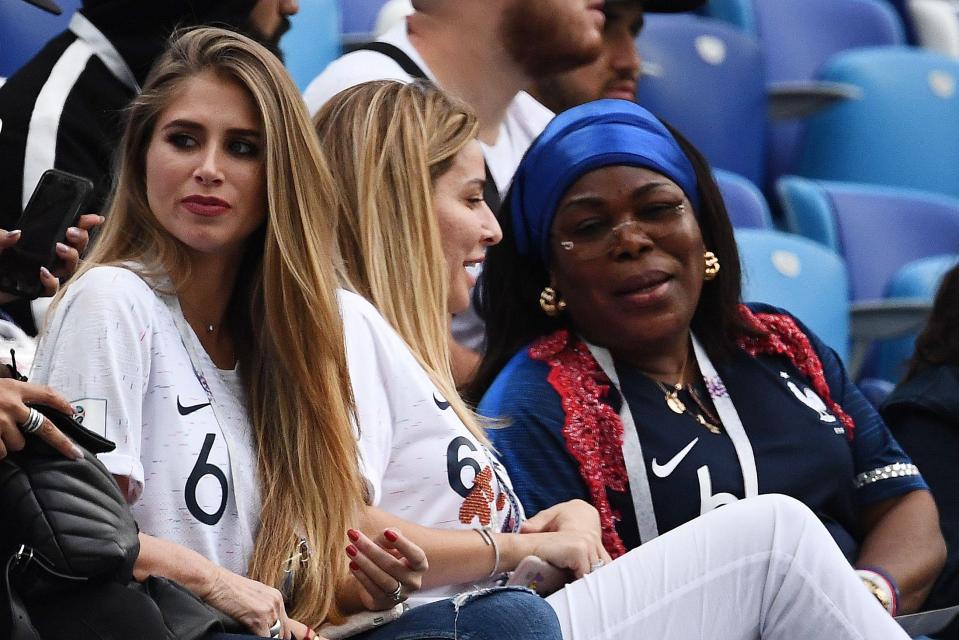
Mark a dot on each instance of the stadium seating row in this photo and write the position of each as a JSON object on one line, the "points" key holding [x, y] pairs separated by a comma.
{"points": [[878, 131], [863, 264]]}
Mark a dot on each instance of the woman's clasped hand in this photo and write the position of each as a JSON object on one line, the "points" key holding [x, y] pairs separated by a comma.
{"points": [[569, 537], [389, 568]]}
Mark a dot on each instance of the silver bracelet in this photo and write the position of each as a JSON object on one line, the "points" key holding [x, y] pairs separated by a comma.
{"points": [[486, 533], [895, 470]]}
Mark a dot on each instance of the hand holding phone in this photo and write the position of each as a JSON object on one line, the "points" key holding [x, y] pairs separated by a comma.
{"points": [[49, 281], [54, 206]]}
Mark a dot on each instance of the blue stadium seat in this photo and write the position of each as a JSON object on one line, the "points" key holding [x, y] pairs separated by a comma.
{"points": [[745, 203], [313, 40], [739, 13], [24, 29], [901, 131], [359, 17], [921, 278], [917, 280], [743, 13], [877, 230], [705, 77], [797, 37], [801, 276]]}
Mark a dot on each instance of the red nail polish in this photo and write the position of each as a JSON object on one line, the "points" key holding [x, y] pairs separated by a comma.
{"points": [[390, 535], [351, 551], [354, 566], [353, 534]]}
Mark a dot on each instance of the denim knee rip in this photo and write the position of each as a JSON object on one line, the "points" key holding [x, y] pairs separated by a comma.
{"points": [[462, 599]]}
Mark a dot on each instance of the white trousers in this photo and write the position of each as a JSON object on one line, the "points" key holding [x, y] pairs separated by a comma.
{"points": [[758, 568]]}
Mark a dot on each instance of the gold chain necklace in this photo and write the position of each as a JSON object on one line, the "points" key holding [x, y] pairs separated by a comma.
{"points": [[672, 395], [677, 406]]}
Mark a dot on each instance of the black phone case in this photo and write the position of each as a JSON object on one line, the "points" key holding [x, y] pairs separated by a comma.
{"points": [[20, 275]]}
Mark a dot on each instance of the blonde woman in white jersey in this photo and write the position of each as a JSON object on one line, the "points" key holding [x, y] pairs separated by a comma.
{"points": [[203, 336], [411, 224]]}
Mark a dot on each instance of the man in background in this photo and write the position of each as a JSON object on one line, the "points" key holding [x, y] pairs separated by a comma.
{"points": [[615, 72], [485, 52]]}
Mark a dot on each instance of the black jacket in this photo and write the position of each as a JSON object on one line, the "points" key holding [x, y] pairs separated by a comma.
{"points": [[923, 414]]}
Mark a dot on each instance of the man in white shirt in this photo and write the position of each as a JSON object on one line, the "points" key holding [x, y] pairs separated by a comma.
{"points": [[485, 52]]}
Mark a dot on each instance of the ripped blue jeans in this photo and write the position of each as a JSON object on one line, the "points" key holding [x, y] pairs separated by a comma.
{"points": [[491, 614]]}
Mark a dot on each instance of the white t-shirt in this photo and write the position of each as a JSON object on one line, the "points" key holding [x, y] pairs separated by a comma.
{"points": [[419, 460], [113, 348], [525, 119]]}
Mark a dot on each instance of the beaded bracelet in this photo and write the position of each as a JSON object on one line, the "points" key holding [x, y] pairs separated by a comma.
{"points": [[486, 533]]}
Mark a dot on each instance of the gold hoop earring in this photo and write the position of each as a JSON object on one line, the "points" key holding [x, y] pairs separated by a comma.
{"points": [[712, 266], [550, 302]]}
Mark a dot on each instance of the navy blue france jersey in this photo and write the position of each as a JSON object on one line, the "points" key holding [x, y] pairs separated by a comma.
{"points": [[800, 447]]}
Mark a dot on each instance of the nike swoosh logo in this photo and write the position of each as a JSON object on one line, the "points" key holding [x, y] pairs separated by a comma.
{"points": [[663, 470], [441, 404], [185, 411]]}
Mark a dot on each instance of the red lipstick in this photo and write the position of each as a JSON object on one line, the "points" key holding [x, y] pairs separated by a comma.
{"points": [[209, 206]]}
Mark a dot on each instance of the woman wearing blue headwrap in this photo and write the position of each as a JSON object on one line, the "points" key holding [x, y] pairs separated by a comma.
{"points": [[628, 374]]}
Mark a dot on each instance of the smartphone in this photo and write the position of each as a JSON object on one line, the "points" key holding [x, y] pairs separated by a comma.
{"points": [[539, 575], [360, 622], [55, 205]]}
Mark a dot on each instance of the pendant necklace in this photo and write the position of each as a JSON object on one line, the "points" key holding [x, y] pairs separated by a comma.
{"points": [[672, 395], [710, 421], [677, 406], [209, 326]]}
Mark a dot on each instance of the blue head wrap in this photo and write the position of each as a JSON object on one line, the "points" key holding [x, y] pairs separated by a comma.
{"points": [[590, 136]]}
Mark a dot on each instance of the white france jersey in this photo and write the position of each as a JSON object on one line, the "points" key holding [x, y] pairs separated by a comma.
{"points": [[114, 350], [419, 460]]}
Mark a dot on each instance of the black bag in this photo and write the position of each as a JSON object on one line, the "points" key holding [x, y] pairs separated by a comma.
{"points": [[68, 543], [68, 515], [65, 523]]}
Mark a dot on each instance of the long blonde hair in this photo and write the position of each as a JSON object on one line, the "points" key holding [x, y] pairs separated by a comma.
{"points": [[390, 142], [285, 315]]}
